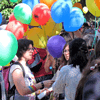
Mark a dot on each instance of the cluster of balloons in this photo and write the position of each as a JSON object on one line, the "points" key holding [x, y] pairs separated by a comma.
{"points": [[72, 17]]}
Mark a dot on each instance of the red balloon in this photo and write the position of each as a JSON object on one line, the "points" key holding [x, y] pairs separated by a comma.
{"points": [[12, 17], [16, 28], [41, 13], [25, 26]]}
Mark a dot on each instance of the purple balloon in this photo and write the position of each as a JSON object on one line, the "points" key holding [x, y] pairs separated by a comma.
{"points": [[55, 46]]}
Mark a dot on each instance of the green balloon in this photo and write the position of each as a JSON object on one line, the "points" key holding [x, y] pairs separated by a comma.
{"points": [[8, 47], [78, 9], [84, 20], [23, 13], [13, 0]]}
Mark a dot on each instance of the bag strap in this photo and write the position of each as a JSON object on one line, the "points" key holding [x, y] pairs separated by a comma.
{"points": [[12, 90]]}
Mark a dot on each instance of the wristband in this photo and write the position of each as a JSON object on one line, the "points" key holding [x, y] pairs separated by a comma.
{"points": [[42, 84], [32, 88]]}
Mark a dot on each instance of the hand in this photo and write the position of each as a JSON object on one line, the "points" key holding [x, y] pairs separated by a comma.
{"points": [[48, 83]]}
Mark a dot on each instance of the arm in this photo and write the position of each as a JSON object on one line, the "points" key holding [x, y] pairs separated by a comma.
{"points": [[59, 84], [21, 87]]}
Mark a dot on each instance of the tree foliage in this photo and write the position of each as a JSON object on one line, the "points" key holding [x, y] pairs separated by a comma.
{"points": [[6, 7]]}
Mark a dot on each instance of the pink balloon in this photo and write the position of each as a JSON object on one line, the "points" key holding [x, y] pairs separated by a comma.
{"points": [[16, 28]]}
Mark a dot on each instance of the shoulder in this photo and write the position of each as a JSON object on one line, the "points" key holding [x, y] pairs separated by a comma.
{"points": [[14, 67], [65, 68]]}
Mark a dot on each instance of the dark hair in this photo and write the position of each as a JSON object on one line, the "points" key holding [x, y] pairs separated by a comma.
{"points": [[66, 36], [78, 50], [63, 59], [87, 73], [98, 49], [23, 45]]}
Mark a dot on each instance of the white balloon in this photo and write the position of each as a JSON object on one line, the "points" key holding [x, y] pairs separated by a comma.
{"points": [[85, 10]]}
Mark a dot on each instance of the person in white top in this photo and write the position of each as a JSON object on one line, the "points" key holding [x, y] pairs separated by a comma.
{"points": [[22, 78], [70, 75]]}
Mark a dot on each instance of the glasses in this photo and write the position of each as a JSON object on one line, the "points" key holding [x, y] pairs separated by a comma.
{"points": [[30, 49], [66, 51]]}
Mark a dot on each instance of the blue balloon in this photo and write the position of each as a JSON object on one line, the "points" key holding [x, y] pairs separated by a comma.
{"points": [[60, 10], [31, 3], [0, 18], [55, 46], [75, 21]]}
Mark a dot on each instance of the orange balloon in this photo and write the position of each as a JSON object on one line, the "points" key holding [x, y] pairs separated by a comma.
{"points": [[49, 3], [77, 5], [97, 2]]}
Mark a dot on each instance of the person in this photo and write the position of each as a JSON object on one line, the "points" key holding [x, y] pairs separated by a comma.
{"points": [[89, 38], [70, 75], [25, 84], [64, 60], [89, 86]]}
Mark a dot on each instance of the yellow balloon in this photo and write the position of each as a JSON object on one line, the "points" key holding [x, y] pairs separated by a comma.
{"points": [[40, 34], [36, 35], [93, 9], [51, 28]]}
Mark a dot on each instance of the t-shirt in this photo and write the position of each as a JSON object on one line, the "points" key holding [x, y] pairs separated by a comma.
{"points": [[67, 81], [29, 79]]}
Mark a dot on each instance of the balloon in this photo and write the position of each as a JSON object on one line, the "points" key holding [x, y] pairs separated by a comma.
{"points": [[85, 10], [97, 2], [49, 29], [55, 46], [49, 3], [31, 3], [25, 26], [77, 5], [93, 9], [13, 1], [16, 28], [0, 18], [60, 11], [8, 47], [12, 17], [84, 20], [37, 37], [41, 13], [75, 21], [23, 13]]}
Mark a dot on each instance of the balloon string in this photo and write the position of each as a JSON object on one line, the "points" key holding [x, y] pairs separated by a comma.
{"points": [[94, 42], [53, 29], [40, 40]]}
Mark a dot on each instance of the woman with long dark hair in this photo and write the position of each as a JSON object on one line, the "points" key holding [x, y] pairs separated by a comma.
{"points": [[70, 75]]}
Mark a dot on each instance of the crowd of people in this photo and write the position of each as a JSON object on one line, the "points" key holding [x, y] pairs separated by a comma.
{"points": [[73, 76]]}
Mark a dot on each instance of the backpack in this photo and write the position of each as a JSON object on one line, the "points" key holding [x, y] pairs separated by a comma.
{"points": [[10, 92]]}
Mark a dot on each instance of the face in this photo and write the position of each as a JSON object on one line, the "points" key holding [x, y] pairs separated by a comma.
{"points": [[28, 54], [66, 52]]}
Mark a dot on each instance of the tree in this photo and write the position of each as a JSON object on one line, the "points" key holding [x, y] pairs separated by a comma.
{"points": [[6, 7]]}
